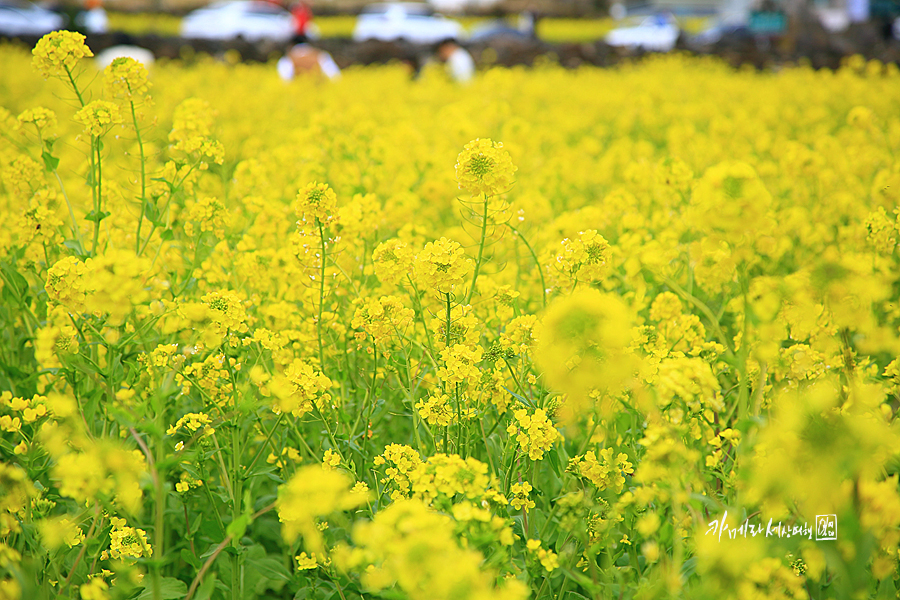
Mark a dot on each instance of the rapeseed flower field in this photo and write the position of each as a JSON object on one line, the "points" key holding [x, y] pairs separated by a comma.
{"points": [[626, 333]]}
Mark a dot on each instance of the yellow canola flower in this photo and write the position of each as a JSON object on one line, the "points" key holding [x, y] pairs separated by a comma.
{"points": [[534, 432], [484, 167], [95, 589], [583, 345], [311, 493], [126, 78], [316, 202], [127, 543], [57, 53], [410, 546], [443, 266], [393, 260], [57, 531], [381, 318], [43, 119], [98, 116]]}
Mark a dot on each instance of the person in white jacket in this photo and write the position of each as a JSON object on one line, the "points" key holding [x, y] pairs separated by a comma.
{"points": [[303, 58], [94, 18], [459, 63]]}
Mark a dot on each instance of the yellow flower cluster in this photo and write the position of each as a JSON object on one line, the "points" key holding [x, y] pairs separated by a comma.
{"points": [[584, 258], [43, 119], [607, 472], [126, 78], [393, 261], [403, 461], [460, 364], [192, 423], [548, 559], [520, 500], [443, 266], [128, 543], [316, 202], [98, 117], [57, 53], [484, 167], [436, 410], [534, 432], [381, 318]]}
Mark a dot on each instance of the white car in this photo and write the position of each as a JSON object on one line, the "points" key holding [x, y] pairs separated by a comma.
{"points": [[658, 33], [405, 21], [246, 19], [24, 18]]}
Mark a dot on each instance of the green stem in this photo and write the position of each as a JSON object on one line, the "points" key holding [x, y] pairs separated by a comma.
{"points": [[321, 298], [84, 546], [237, 575], [370, 404], [536, 262], [480, 250], [265, 443], [97, 184], [75, 231], [74, 86], [159, 524], [137, 130]]}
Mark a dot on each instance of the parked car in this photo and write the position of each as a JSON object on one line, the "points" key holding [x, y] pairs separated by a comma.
{"points": [[659, 33], [18, 17], [405, 21], [718, 33], [245, 19]]}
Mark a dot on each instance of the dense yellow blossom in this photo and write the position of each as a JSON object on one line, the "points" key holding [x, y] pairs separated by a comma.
{"points": [[534, 432], [547, 379]]}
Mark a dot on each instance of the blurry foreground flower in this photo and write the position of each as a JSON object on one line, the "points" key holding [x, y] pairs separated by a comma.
{"points": [[313, 492], [582, 347]]}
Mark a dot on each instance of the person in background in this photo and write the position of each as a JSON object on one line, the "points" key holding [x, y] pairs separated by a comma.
{"points": [[303, 58], [302, 14], [459, 63], [93, 19]]}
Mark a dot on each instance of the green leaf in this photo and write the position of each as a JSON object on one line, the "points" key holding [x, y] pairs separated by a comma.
{"points": [[237, 527], [95, 216], [50, 161], [169, 589], [188, 557], [553, 457], [167, 235], [151, 212], [166, 181], [206, 588], [270, 568], [20, 283], [195, 526], [521, 399], [74, 246]]}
